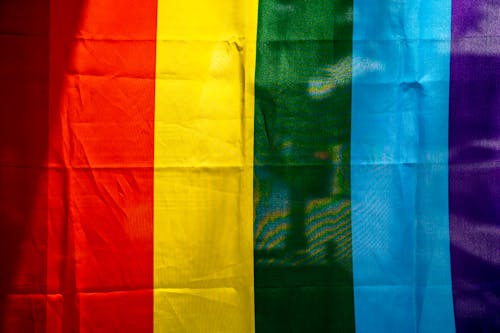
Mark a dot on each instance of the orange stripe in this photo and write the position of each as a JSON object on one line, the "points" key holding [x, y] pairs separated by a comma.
{"points": [[102, 64]]}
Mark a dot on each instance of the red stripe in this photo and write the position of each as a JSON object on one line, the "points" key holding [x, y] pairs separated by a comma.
{"points": [[101, 158], [24, 75]]}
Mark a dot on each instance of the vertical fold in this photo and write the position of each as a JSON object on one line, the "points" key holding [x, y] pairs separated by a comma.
{"points": [[399, 172]]}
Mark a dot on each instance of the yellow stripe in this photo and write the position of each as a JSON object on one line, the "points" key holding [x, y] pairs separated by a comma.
{"points": [[203, 246]]}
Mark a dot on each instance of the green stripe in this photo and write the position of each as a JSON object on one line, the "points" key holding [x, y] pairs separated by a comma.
{"points": [[303, 255]]}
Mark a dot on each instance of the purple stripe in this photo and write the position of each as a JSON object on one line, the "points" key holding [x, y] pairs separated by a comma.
{"points": [[474, 162]]}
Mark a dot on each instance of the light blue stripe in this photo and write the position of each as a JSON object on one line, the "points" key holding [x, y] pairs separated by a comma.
{"points": [[399, 175]]}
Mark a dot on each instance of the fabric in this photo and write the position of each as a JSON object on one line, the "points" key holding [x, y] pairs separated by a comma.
{"points": [[401, 242], [249, 166], [203, 273], [303, 257]]}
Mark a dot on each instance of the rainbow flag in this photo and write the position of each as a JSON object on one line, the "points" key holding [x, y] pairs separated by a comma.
{"points": [[249, 166]]}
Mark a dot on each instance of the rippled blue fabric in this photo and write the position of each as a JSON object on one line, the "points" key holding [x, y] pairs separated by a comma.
{"points": [[399, 171]]}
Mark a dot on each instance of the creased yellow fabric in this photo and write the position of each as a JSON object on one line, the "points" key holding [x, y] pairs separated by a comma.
{"points": [[203, 213]]}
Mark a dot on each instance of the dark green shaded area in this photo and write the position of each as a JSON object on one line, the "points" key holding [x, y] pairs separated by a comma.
{"points": [[303, 257]]}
